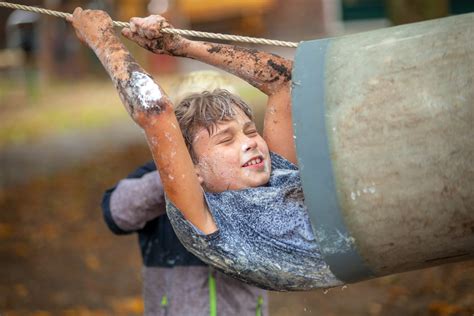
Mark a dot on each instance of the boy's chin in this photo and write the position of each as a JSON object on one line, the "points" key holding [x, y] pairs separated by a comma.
{"points": [[255, 183]]}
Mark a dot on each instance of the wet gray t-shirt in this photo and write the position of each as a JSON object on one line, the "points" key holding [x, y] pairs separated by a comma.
{"points": [[264, 234]]}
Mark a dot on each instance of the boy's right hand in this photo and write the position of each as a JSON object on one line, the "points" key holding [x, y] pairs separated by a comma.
{"points": [[91, 25], [147, 33]]}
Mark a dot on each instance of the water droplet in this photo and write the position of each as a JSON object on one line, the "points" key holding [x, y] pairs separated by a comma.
{"points": [[353, 196], [344, 287]]}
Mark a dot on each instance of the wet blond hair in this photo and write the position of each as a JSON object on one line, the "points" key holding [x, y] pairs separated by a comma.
{"points": [[206, 110]]}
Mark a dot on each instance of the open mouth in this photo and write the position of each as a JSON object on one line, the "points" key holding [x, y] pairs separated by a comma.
{"points": [[256, 161]]}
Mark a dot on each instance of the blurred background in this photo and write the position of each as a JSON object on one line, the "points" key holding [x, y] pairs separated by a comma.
{"points": [[64, 139]]}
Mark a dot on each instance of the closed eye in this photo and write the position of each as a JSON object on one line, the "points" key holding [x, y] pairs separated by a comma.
{"points": [[251, 132], [225, 140], [223, 137]]}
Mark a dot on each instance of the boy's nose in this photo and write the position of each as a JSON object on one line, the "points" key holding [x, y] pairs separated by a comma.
{"points": [[249, 144]]}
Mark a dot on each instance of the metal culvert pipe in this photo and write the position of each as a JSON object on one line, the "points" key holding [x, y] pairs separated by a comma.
{"points": [[384, 127]]}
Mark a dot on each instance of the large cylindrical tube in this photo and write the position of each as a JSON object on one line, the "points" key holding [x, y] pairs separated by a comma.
{"points": [[384, 127]]}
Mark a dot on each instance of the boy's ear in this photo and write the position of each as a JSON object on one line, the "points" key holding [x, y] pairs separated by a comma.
{"points": [[198, 173]]}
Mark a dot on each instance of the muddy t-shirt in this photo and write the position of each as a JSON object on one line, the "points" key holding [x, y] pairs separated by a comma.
{"points": [[264, 234]]}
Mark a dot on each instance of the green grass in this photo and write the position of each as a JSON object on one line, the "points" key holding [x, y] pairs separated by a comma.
{"points": [[56, 108]]}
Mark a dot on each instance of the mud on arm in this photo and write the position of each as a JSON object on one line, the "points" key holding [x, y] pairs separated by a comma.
{"points": [[150, 108]]}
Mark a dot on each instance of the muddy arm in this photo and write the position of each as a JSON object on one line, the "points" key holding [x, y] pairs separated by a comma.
{"points": [[270, 73], [150, 108]]}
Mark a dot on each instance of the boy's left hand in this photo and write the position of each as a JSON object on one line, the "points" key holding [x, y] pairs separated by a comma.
{"points": [[147, 32]]}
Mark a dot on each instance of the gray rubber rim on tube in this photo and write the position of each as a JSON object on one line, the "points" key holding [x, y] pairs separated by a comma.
{"points": [[309, 124]]}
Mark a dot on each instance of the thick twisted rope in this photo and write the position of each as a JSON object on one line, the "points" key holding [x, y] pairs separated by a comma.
{"points": [[235, 38]]}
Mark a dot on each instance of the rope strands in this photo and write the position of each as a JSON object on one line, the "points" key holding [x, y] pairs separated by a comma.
{"points": [[234, 38]]}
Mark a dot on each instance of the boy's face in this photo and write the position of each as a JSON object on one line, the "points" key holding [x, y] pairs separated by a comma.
{"points": [[234, 157]]}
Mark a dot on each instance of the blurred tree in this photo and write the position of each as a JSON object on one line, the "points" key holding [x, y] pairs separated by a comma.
{"points": [[125, 9], [409, 11], [362, 9]]}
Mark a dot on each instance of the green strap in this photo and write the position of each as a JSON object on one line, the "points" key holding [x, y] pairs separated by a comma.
{"points": [[258, 310], [212, 294], [164, 301]]}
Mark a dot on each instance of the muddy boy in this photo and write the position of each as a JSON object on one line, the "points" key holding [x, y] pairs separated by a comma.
{"points": [[234, 197]]}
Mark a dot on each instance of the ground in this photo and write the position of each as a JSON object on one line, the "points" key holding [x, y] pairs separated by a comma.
{"points": [[58, 258]]}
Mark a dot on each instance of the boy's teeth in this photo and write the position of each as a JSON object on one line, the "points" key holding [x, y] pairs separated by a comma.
{"points": [[254, 162]]}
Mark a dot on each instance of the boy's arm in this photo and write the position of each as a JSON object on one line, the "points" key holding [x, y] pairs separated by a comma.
{"points": [[134, 201], [268, 72], [150, 108]]}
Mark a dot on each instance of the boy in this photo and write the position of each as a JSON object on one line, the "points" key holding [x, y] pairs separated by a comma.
{"points": [[175, 282], [231, 202]]}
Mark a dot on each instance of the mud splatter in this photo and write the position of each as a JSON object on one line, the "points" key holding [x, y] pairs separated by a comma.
{"points": [[281, 69], [141, 91], [214, 49]]}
